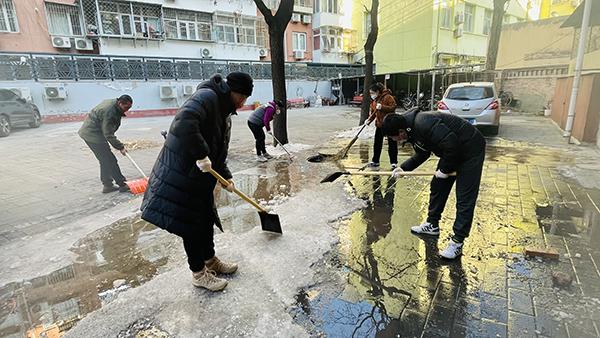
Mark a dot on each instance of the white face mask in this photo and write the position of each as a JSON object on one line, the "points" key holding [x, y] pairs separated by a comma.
{"points": [[373, 96]]}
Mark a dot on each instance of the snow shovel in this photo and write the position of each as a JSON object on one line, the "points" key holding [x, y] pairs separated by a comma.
{"points": [[338, 174], [281, 144], [269, 222], [137, 186], [344, 151]]}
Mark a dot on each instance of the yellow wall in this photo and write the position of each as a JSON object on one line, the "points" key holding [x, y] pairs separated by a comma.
{"points": [[549, 10]]}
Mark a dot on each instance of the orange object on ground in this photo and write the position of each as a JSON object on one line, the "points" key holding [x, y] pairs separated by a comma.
{"points": [[137, 186]]}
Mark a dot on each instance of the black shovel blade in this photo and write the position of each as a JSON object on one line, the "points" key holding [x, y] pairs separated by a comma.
{"points": [[332, 177], [270, 222]]}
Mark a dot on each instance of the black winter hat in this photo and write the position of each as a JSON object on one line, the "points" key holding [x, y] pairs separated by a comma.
{"points": [[393, 123], [240, 83]]}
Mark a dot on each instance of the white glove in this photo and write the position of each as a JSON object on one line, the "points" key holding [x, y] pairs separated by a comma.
{"points": [[397, 173], [204, 164], [231, 185], [378, 106], [270, 132], [440, 174]]}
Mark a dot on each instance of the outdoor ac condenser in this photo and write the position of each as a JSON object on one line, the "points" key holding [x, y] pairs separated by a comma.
{"points": [[298, 54], [61, 42], [168, 92], [55, 92], [295, 17], [306, 19], [83, 44], [188, 90]]}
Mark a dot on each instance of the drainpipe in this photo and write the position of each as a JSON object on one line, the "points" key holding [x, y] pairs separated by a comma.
{"points": [[585, 25]]}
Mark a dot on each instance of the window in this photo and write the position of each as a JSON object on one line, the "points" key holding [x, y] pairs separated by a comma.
{"points": [[129, 19], [366, 24], [303, 3], [8, 17], [238, 29], [186, 25], [7, 95], [446, 16], [470, 93], [64, 19], [487, 21], [298, 41], [316, 39], [469, 17], [327, 6], [331, 39]]}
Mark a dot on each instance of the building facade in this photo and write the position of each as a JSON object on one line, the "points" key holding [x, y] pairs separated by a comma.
{"points": [[555, 8], [334, 38]]}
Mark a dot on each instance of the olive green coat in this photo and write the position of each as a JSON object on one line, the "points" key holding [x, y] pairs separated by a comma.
{"points": [[101, 124]]}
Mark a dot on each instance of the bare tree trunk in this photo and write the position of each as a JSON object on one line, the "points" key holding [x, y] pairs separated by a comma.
{"points": [[495, 31], [369, 46], [277, 24]]}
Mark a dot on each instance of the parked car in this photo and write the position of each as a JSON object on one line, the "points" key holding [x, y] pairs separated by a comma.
{"points": [[477, 102], [15, 112]]}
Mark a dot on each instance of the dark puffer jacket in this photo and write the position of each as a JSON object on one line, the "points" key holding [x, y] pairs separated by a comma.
{"points": [[179, 197], [448, 136]]}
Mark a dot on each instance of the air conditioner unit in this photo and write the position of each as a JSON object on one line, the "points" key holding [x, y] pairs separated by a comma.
{"points": [[22, 92], [298, 54], [55, 92], [459, 18], [168, 92], [206, 53], [307, 19], [61, 42], [262, 52], [83, 44], [188, 90], [458, 32], [296, 17]]}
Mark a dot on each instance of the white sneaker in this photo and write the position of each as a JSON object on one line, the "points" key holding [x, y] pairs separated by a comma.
{"points": [[426, 229], [261, 158], [267, 156], [394, 166], [452, 250], [373, 165]]}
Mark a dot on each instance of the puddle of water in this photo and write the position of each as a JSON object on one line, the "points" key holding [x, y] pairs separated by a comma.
{"points": [[121, 256]]}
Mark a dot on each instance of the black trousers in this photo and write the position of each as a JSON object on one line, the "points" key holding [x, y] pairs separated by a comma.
{"points": [[378, 145], [199, 247], [259, 136], [109, 168], [467, 189]]}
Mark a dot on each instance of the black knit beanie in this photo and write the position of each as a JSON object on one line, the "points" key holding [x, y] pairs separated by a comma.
{"points": [[240, 83]]}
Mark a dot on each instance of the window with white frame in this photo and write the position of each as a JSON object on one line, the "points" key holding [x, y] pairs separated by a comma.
{"points": [[8, 17], [130, 19], [469, 18], [331, 39], [327, 6], [187, 25], [298, 41], [237, 29], [366, 24], [446, 15], [487, 21], [64, 19], [246, 32]]}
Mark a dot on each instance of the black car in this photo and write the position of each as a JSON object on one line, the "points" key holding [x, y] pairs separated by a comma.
{"points": [[15, 112]]}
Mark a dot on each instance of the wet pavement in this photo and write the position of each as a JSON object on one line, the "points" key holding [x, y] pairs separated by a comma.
{"points": [[378, 280], [385, 282]]}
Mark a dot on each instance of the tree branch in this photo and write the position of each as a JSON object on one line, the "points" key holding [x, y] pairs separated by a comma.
{"points": [[264, 10], [284, 12]]}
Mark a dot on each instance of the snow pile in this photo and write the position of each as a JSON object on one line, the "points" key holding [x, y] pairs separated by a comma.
{"points": [[369, 132], [291, 147]]}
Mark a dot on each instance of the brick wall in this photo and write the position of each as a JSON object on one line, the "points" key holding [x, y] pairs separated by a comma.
{"points": [[534, 93]]}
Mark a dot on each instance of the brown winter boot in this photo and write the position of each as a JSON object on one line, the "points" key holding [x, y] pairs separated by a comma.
{"points": [[218, 266], [207, 279]]}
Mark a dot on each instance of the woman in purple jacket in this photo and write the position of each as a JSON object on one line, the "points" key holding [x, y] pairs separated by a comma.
{"points": [[260, 118]]}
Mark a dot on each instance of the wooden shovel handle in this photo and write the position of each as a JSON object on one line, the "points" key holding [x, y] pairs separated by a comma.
{"points": [[243, 196], [389, 173]]}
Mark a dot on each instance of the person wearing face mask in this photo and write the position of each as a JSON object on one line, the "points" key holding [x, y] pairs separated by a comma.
{"points": [[461, 149], [260, 118], [179, 197], [382, 103]]}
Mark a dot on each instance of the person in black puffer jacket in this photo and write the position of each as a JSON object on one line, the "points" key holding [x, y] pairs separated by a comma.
{"points": [[461, 149], [179, 197]]}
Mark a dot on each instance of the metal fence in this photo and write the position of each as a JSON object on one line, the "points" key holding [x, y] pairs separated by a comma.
{"points": [[98, 67]]}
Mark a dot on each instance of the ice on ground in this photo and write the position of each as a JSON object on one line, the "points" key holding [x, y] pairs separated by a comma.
{"points": [[291, 147]]}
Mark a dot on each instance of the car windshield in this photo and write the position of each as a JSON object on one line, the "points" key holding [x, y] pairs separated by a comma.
{"points": [[470, 93]]}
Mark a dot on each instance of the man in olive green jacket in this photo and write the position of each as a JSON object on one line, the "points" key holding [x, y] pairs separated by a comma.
{"points": [[98, 130]]}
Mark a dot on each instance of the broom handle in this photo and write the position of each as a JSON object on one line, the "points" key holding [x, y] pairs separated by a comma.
{"points": [[135, 165], [389, 173], [243, 196]]}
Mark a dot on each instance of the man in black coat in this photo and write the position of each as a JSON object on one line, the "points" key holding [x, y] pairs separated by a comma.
{"points": [[179, 197], [461, 149]]}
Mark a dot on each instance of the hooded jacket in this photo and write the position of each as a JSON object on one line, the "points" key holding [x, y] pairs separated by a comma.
{"points": [[448, 136], [388, 106], [179, 197]]}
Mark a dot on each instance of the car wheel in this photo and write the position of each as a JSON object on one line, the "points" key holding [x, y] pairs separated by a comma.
{"points": [[37, 119], [4, 126]]}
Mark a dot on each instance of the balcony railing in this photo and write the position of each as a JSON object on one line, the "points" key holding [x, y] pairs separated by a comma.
{"points": [[42, 67]]}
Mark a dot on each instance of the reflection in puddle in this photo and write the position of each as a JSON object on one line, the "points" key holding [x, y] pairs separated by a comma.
{"points": [[121, 256]]}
